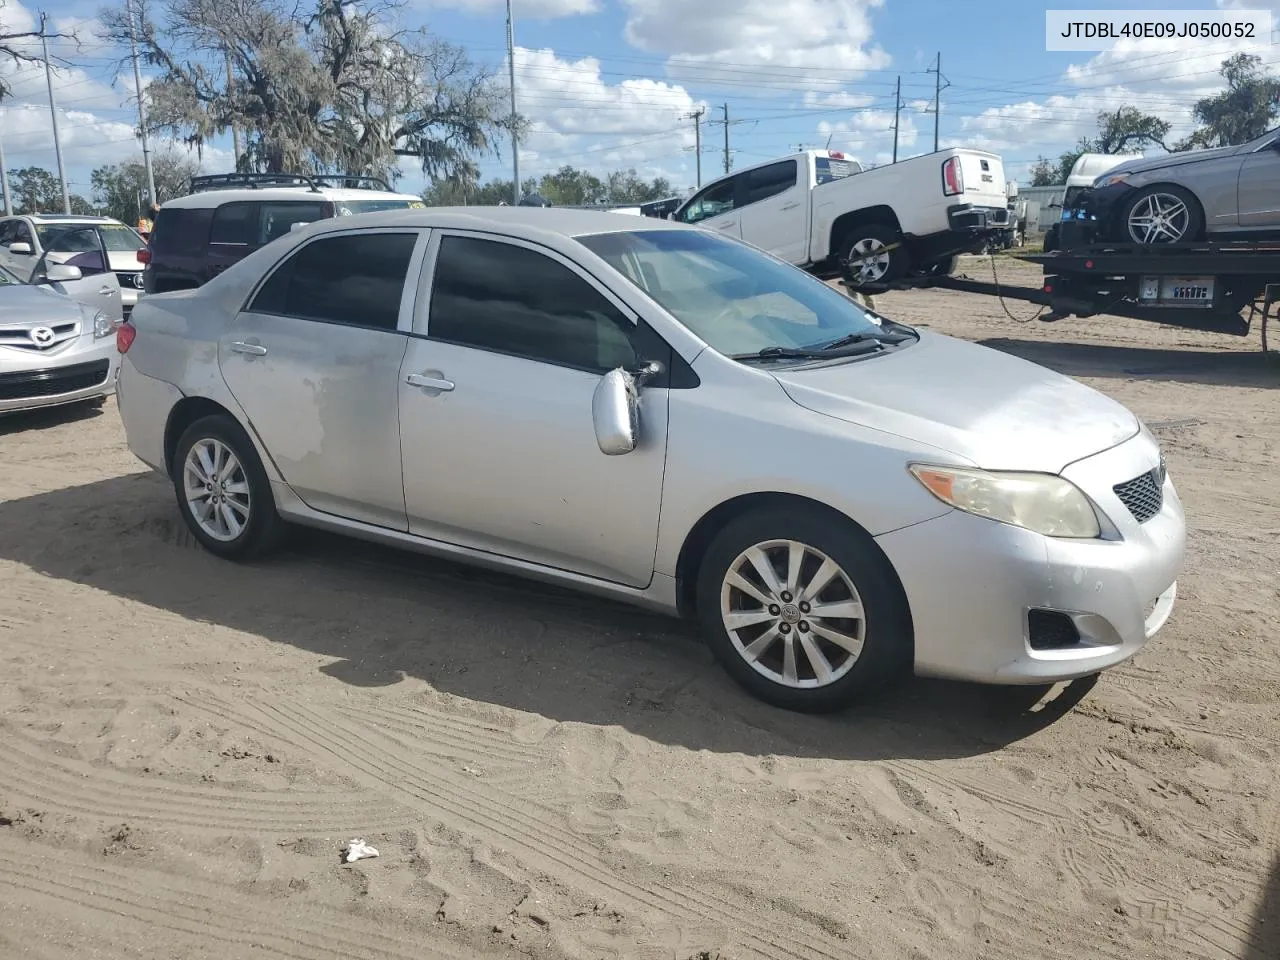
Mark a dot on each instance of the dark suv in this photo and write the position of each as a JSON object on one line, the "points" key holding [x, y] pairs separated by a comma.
{"points": [[226, 217]]}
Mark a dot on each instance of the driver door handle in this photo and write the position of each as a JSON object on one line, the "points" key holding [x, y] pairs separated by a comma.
{"points": [[430, 383], [106, 290], [790, 206], [251, 349]]}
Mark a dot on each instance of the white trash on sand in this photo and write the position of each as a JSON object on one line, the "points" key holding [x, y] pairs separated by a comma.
{"points": [[357, 850]]}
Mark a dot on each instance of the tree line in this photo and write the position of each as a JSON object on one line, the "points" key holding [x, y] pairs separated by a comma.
{"points": [[1246, 109], [568, 186]]}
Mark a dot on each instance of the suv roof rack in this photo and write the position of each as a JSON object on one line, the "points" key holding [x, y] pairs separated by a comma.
{"points": [[230, 181], [351, 182]]}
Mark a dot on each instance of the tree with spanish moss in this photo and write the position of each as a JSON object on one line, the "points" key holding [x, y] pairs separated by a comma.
{"points": [[324, 86]]}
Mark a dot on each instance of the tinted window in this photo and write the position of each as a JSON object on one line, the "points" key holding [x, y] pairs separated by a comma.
{"points": [[8, 230], [497, 296], [715, 200], [276, 219], [235, 223], [180, 231], [830, 168], [771, 180], [353, 279], [24, 233]]}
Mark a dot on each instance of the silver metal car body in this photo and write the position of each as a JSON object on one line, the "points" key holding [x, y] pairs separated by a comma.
{"points": [[30, 242], [1238, 187], [51, 349], [491, 458]]}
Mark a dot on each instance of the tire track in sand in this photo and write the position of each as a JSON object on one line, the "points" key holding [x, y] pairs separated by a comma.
{"points": [[515, 824], [154, 901]]}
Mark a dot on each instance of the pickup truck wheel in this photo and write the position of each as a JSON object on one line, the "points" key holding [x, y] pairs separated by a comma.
{"points": [[939, 268], [872, 254]]}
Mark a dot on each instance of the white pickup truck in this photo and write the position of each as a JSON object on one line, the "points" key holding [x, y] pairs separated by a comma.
{"points": [[822, 211]]}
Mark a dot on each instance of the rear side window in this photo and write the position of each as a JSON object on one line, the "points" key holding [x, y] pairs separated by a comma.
{"points": [[181, 231], [235, 223], [356, 279], [769, 181], [509, 299], [829, 168], [276, 218]]}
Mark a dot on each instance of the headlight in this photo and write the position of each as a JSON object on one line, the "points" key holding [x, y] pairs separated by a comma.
{"points": [[1108, 179], [1041, 502], [103, 326]]}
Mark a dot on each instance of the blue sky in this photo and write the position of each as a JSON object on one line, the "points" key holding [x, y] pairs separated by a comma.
{"points": [[606, 82]]}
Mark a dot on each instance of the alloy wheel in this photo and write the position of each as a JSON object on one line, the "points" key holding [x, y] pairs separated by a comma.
{"points": [[869, 260], [216, 489], [1159, 218], [792, 614]]}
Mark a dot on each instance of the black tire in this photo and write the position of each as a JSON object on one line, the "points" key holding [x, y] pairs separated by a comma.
{"points": [[938, 268], [886, 652], [1193, 231], [872, 233], [263, 529]]}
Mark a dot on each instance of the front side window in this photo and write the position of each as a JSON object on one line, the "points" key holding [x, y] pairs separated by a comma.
{"points": [[65, 238], [355, 279], [736, 298], [715, 200], [509, 299]]}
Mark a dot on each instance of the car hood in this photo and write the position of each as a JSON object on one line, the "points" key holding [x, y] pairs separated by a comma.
{"points": [[994, 410], [1145, 164], [26, 304]]}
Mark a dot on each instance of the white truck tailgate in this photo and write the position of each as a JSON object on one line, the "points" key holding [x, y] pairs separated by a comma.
{"points": [[984, 183]]}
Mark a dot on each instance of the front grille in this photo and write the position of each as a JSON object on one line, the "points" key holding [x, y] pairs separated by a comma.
{"points": [[38, 337], [1051, 630], [31, 384], [1143, 495]]}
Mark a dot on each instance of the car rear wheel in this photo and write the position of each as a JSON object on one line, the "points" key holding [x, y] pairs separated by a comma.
{"points": [[872, 254], [803, 613], [223, 492], [1162, 214]]}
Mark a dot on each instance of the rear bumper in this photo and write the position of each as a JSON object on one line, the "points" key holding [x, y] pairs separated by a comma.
{"points": [[966, 218]]}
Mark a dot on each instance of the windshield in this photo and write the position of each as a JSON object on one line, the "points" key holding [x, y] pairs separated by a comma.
{"points": [[347, 208], [738, 299], [84, 238]]}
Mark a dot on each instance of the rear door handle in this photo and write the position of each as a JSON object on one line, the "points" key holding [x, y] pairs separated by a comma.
{"points": [[429, 383], [250, 349]]}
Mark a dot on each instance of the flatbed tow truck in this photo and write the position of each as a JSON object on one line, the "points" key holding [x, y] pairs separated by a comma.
{"points": [[1201, 286]]}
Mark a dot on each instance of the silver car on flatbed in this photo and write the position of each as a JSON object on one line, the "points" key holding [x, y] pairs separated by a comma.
{"points": [[658, 414], [57, 342]]}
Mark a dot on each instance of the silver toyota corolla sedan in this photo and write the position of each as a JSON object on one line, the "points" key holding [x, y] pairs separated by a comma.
{"points": [[663, 415]]}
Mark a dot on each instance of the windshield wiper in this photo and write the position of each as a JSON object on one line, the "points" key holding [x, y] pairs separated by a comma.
{"points": [[839, 349], [853, 338]]}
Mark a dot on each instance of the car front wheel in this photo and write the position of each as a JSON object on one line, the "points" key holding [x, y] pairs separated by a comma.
{"points": [[1162, 214], [803, 612], [223, 492]]}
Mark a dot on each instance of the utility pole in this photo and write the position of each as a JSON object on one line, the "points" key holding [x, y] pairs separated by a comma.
{"points": [[235, 131], [897, 112], [515, 139], [727, 162], [53, 112], [696, 117], [4, 183], [940, 83], [142, 110]]}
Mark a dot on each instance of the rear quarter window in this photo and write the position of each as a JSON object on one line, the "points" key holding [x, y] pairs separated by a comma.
{"points": [[181, 231], [828, 169]]}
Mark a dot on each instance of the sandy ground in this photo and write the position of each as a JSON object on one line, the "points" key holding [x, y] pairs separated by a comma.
{"points": [[187, 742]]}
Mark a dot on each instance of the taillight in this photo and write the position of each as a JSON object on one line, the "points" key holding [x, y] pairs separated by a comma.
{"points": [[125, 334], [144, 255], [952, 177]]}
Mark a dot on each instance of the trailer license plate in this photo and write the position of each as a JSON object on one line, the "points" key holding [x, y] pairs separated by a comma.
{"points": [[1178, 291]]}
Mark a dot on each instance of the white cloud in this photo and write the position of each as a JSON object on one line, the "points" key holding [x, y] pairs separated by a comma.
{"points": [[792, 42], [524, 9], [868, 135], [580, 119], [837, 100]]}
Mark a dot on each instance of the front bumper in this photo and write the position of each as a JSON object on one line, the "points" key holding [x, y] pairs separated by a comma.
{"points": [[85, 371], [973, 584]]}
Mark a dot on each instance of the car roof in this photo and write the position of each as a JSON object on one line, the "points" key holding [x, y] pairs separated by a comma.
{"points": [[63, 218], [515, 221], [205, 199]]}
